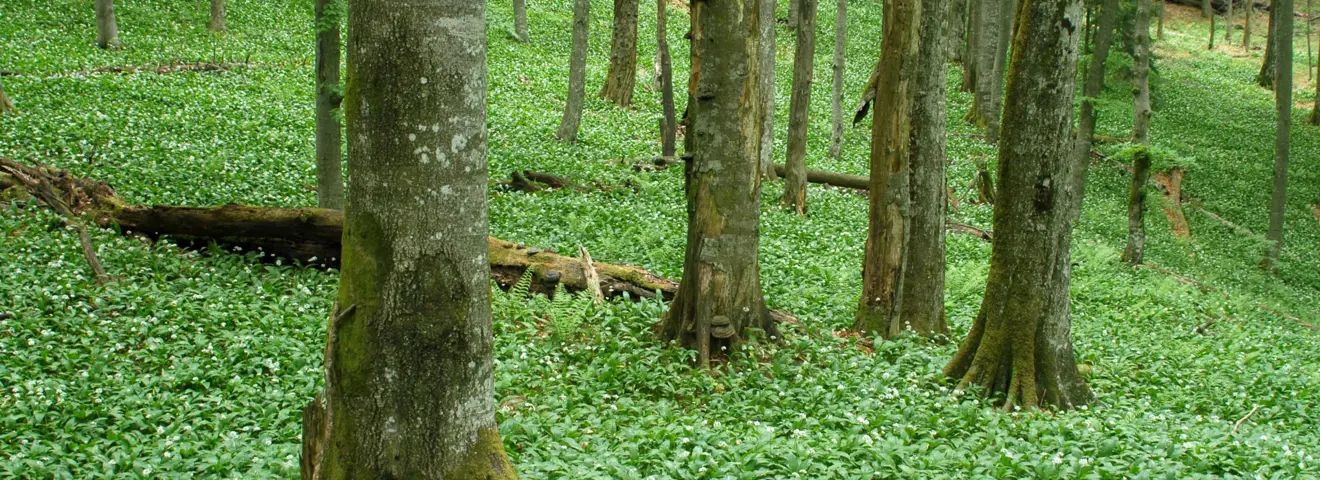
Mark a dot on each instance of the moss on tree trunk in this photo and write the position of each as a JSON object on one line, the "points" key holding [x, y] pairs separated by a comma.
{"points": [[622, 75], [217, 23], [1019, 348], [1136, 240], [1283, 46], [720, 298], [329, 133]]}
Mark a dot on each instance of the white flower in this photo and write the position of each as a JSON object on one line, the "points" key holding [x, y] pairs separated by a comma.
{"points": [[862, 420]]}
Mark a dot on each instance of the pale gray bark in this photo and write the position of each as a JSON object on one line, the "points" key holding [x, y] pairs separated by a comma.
{"points": [[1246, 29], [217, 23], [1095, 83], [577, 73], [1283, 43], [1228, 23], [520, 20], [329, 133], [1268, 67], [794, 14], [1141, 73], [107, 32], [836, 92], [799, 109], [766, 54], [410, 379], [957, 28], [665, 77]]}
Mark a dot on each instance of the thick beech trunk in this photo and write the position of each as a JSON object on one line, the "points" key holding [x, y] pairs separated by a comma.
{"points": [[794, 14], [520, 20], [217, 23], [1019, 347], [622, 75], [1283, 47], [799, 109], [836, 92], [107, 32], [668, 123], [922, 305], [577, 73], [1136, 240], [720, 296], [1267, 67], [1095, 79], [879, 308], [1141, 73], [329, 133], [766, 56]]}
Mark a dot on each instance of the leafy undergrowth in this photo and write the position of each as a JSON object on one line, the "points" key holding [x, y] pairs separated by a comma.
{"points": [[195, 365]]}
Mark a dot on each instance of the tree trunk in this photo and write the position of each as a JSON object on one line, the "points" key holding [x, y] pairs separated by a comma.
{"points": [[957, 28], [971, 58], [1206, 10], [1136, 240], [107, 33], [1283, 43], [6, 105], [668, 124], [1141, 73], [799, 109], [1159, 29], [880, 306], [622, 75], [1267, 68], [1019, 348], [922, 306], [217, 16], [1212, 33], [409, 373], [577, 73], [996, 24], [520, 20], [1095, 78], [836, 92], [794, 14], [1228, 24], [766, 54], [720, 298], [1246, 32], [329, 133]]}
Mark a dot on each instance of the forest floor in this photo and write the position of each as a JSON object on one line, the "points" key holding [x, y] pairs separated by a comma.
{"points": [[197, 364]]}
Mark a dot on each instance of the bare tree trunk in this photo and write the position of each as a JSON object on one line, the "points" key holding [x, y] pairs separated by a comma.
{"points": [[997, 24], [1159, 30], [668, 124], [922, 306], [836, 92], [1246, 33], [766, 55], [1136, 240], [329, 133], [879, 308], [217, 16], [971, 58], [1228, 24], [799, 109], [957, 29], [577, 73], [1206, 10], [1267, 68], [622, 75], [1212, 32], [719, 298], [1283, 43], [794, 14], [409, 373], [6, 105], [1095, 83], [520, 20], [1019, 348], [107, 33], [1309, 59], [1141, 73]]}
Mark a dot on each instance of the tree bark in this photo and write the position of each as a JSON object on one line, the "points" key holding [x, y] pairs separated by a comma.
{"points": [[1159, 29], [880, 306], [217, 23], [836, 92], [622, 75], [1267, 67], [107, 32], [668, 124], [520, 20], [996, 23], [329, 133], [922, 306], [1206, 11], [6, 105], [1212, 33], [577, 73], [957, 28], [1228, 24], [1283, 43], [409, 374], [1141, 73], [794, 14], [720, 298], [972, 46], [1246, 33], [799, 109], [1019, 347], [766, 54], [1136, 240], [1095, 78]]}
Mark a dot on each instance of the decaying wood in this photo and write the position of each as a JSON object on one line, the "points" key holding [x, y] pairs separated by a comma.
{"points": [[1204, 327], [1315, 209], [868, 95], [984, 185], [856, 182], [38, 186], [589, 272], [1171, 183], [532, 181], [1242, 420]]}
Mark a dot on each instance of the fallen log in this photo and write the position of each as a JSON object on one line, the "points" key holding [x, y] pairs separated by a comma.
{"points": [[855, 182]]}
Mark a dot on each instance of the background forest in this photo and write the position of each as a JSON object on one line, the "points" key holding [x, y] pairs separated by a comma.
{"points": [[198, 362]]}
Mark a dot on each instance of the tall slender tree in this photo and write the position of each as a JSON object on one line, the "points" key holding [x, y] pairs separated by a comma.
{"points": [[836, 92], [996, 25], [879, 309], [1095, 83], [1283, 82], [922, 306], [971, 59], [217, 23], [1019, 348], [1211, 45], [766, 56], [1207, 10], [719, 298], [1246, 29], [107, 32], [1267, 67], [1159, 29], [957, 28], [520, 20], [1228, 24], [668, 123], [799, 110], [1136, 241], [794, 14], [409, 373], [329, 96], [577, 73], [622, 75]]}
